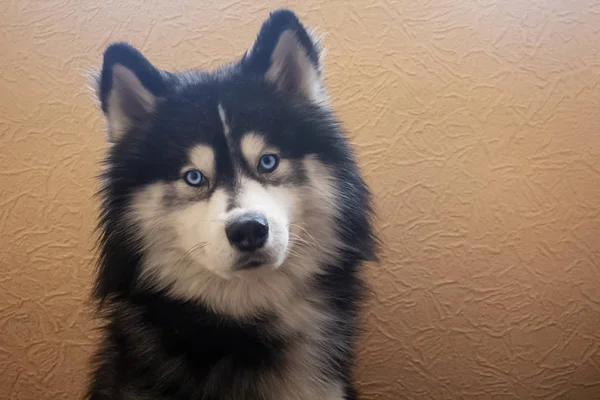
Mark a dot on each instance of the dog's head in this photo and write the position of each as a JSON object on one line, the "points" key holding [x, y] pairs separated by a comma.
{"points": [[241, 173]]}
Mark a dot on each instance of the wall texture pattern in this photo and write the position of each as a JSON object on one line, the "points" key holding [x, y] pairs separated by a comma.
{"points": [[477, 125]]}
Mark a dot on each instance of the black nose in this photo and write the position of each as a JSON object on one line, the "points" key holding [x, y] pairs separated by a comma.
{"points": [[248, 232]]}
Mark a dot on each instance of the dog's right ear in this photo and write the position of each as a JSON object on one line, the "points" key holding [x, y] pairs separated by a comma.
{"points": [[128, 89]]}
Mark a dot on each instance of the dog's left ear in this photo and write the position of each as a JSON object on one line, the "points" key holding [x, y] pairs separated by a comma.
{"points": [[286, 55]]}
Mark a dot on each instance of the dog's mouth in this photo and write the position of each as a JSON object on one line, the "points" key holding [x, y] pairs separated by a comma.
{"points": [[251, 262]]}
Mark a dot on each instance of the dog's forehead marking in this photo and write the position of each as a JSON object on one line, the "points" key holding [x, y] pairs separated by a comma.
{"points": [[203, 158], [252, 146]]}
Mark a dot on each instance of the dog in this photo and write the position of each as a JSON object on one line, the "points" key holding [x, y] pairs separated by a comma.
{"points": [[234, 222]]}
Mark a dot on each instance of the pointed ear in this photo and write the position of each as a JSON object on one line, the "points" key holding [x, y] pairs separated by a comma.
{"points": [[128, 89], [286, 55]]}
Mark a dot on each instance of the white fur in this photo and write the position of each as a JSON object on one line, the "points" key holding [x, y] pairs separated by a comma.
{"points": [[223, 117]]}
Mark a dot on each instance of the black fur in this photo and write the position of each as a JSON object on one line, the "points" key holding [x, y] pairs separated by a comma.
{"points": [[126, 55], [258, 60], [157, 347]]}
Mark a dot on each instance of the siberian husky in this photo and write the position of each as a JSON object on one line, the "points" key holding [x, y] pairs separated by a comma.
{"points": [[234, 222]]}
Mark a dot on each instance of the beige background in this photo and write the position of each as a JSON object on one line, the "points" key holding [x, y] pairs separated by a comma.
{"points": [[477, 125]]}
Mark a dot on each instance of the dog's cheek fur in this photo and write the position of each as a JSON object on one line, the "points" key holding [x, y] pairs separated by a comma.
{"points": [[200, 228], [182, 237], [319, 241]]}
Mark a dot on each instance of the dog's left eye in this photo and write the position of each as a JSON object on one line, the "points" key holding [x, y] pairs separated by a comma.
{"points": [[268, 163], [193, 177]]}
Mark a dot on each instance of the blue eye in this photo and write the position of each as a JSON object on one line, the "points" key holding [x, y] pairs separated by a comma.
{"points": [[268, 163], [193, 177]]}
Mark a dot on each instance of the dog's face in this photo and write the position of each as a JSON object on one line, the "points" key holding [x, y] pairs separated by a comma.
{"points": [[228, 192], [241, 173]]}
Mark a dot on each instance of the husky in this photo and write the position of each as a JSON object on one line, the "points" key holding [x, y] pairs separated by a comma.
{"points": [[234, 222]]}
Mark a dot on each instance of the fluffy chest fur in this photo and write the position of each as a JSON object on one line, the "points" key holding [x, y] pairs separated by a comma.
{"points": [[168, 349]]}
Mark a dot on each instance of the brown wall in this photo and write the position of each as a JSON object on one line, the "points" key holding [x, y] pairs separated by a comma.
{"points": [[477, 126]]}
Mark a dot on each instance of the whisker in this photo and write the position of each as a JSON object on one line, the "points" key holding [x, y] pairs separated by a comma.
{"points": [[299, 239], [189, 252], [303, 229]]}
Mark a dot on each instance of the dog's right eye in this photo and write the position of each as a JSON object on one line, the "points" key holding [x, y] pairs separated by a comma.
{"points": [[193, 177]]}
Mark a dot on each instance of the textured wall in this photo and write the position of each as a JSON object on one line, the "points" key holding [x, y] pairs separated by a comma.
{"points": [[477, 125]]}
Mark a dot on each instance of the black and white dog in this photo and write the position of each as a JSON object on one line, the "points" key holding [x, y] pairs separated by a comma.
{"points": [[233, 225]]}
